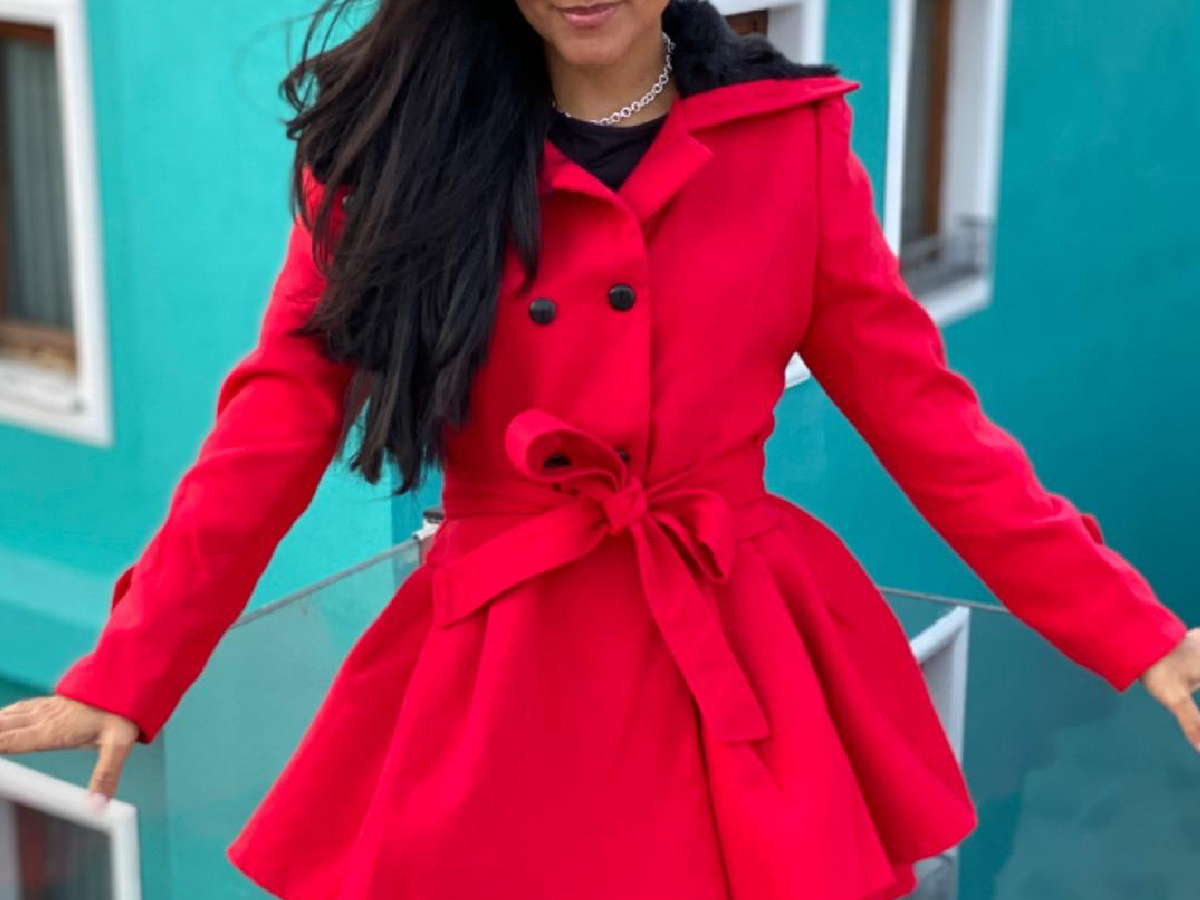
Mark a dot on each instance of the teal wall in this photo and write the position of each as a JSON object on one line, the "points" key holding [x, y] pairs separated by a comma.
{"points": [[193, 175], [1086, 354], [193, 170], [1086, 350]]}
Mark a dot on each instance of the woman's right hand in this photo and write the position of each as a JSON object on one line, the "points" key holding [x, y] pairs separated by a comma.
{"points": [[61, 723]]}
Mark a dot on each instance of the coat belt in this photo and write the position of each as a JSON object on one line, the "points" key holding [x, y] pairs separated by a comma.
{"points": [[684, 530]]}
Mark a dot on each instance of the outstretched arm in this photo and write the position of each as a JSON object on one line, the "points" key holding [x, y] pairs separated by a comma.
{"points": [[880, 358], [278, 419]]}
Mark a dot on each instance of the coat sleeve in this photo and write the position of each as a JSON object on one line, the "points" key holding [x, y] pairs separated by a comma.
{"points": [[881, 359], [278, 419]]}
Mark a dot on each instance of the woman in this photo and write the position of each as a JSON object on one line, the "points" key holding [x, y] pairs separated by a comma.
{"points": [[626, 669]]}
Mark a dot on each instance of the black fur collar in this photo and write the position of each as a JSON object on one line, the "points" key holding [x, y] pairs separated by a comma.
{"points": [[709, 54]]}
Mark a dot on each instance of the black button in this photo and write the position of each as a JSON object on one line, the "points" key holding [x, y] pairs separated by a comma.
{"points": [[621, 296], [623, 453], [556, 459], [541, 310]]}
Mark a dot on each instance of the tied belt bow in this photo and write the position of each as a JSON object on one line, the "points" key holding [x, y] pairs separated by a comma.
{"points": [[677, 524]]}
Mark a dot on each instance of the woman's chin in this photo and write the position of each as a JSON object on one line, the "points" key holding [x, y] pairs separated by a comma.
{"points": [[593, 51]]}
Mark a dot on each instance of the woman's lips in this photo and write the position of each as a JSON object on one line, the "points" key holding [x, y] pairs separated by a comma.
{"points": [[589, 15]]}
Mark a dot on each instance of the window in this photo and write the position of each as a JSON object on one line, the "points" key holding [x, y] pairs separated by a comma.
{"points": [[52, 845], [797, 27], [948, 60], [52, 364], [35, 307], [947, 75], [754, 22], [942, 649]]}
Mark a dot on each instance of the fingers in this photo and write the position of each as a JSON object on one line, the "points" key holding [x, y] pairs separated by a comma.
{"points": [[21, 740], [11, 720], [1188, 714], [56, 723], [1174, 680], [114, 751], [19, 731]]}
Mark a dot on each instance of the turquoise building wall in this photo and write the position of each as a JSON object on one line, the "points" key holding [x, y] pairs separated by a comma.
{"points": [[193, 171], [1086, 355], [1084, 352]]}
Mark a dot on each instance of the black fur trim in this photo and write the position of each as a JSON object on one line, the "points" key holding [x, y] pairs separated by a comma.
{"points": [[710, 54]]}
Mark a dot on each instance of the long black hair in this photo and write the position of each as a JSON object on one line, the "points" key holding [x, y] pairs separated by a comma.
{"points": [[432, 115]]}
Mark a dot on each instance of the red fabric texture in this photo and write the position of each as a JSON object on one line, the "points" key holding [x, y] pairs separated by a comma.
{"points": [[278, 414], [641, 674]]}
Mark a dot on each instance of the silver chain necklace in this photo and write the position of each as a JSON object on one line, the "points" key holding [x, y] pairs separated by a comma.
{"points": [[626, 111]]}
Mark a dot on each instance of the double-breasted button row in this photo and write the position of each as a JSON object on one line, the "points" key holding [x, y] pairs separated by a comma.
{"points": [[620, 297]]}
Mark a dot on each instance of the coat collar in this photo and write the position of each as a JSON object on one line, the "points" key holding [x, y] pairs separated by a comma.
{"points": [[721, 77]]}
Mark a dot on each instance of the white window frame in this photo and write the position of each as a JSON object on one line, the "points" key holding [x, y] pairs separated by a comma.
{"points": [[79, 407], [942, 651], [975, 127], [63, 800], [978, 70]]}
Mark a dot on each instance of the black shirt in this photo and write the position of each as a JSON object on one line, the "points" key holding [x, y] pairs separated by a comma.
{"points": [[607, 151]]}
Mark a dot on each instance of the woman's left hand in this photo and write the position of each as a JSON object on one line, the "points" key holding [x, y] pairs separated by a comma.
{"points": [[1174, 679]]}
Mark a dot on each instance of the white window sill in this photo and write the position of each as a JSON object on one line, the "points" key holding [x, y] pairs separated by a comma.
{"points": [[47, 400]]}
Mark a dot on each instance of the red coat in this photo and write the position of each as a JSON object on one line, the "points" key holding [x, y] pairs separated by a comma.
{"points": [[627, 670]]}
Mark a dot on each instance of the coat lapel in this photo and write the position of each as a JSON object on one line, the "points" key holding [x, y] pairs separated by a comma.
{"points": [[675, 155], [669, 163]]}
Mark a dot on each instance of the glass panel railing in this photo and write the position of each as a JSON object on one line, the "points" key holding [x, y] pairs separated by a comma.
{"points": [[1082, 793], [237, 727]]}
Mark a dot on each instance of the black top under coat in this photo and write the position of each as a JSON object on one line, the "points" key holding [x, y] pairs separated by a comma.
{"points": [[609, 152]]}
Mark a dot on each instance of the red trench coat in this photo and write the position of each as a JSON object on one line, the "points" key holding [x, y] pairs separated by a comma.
{"points": [[627, 670]]}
